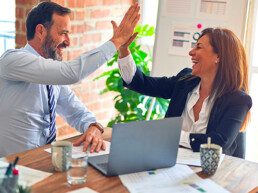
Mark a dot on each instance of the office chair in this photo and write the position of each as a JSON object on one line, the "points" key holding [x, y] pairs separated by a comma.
{"points": [[241, 145]]}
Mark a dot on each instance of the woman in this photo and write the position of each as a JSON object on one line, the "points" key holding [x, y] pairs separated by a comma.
{"points": [[212, 97]]}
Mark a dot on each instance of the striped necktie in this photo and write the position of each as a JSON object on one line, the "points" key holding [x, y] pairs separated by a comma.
{"points": [[52, 112]]}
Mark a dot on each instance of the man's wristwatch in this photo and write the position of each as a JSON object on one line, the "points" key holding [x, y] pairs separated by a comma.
{"points": [[99, 126]]}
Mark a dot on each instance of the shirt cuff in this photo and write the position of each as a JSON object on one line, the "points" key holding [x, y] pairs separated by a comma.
{"points": [[109, 49], [185, 139], [127, 68]]}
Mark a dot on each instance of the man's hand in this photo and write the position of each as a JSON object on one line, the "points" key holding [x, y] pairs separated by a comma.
{"points": [[92, 136], [124, 31]]}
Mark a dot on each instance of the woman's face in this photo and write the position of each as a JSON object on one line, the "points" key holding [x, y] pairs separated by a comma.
{"points": [[205, 61]]}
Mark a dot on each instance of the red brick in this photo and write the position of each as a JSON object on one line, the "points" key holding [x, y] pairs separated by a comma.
{"points": [[80, 15], [100, 13], [86, 38], [89, 3], [94, 46], [27, 12], [60, 121], [80, 3], [65, 55], [23, 26], [74, 29], [86, 14], [117, 13], [60, 2], [72, 16], [72, 3], [85, 49], [74, 42], [96, 37], [102, 83], [78, 29], [17, 25], [90, 26], [103, 115], [85, 86], [108, 104], [108, 95], [19, 12], [127, 2], [26, 2], [20, 39], [89, 97], [93, 84], [93, 107], [94, 74], [100, 25], [65, 132], [77, 91], [81, 43], [110, 2], [73, 54]]}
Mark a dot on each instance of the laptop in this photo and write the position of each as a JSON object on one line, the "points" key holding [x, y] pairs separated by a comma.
{"points": [[140, 146]]}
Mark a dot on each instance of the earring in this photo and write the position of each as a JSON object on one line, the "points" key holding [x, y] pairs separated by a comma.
{"points": [[216, 62]]}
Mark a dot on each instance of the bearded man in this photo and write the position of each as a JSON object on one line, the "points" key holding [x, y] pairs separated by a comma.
{"points": [[33, 81]]}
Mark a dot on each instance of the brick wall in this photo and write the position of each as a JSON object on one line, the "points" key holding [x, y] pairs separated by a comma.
{"points": [[91, 27]]}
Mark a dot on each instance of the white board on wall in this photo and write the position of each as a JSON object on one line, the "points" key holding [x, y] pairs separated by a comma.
{"points": [[178, 25]]}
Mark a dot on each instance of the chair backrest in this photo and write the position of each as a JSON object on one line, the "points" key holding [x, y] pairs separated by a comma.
{"points": [[241, 145]]}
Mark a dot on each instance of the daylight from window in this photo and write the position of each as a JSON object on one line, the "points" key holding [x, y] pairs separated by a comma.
{"points": [[7, 23]]}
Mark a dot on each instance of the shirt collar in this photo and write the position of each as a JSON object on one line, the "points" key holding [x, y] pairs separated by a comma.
{"points": [[29, 48]]}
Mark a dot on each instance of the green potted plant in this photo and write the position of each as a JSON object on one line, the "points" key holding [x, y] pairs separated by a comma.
{"points": [[130, 105]]}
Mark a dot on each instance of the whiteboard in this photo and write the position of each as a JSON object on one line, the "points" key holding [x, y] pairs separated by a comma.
{"points": [[168, 57]]}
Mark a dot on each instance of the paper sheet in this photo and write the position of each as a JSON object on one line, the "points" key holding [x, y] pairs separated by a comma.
{"points": [[83, 190], [183, 37], [188, 157], [213, 9], [28, 176], [179, 178], [77, 151], [175, 7]]}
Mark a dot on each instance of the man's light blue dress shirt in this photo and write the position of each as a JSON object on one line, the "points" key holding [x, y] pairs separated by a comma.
{"points": [[24, 111]]}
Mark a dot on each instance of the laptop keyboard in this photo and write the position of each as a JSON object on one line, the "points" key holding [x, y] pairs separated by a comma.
{"points": [[103, 166]]}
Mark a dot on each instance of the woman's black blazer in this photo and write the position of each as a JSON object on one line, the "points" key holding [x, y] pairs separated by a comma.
{"points": [[226, 117]]}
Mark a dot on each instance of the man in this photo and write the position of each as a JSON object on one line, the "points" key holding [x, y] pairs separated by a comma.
{"points": [[33, 79]]}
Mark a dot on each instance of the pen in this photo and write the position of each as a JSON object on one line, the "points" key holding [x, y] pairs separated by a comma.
{"points": [[15, 161], [9, 169]]}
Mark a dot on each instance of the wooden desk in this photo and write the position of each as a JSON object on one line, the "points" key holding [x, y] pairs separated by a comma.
{"points": [[234, 174]]}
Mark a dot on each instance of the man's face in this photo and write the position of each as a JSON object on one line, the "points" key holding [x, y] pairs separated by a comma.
{"points": [[57, 37]]}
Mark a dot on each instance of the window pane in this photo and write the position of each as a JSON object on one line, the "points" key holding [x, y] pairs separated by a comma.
{"points": [[252, 130]]}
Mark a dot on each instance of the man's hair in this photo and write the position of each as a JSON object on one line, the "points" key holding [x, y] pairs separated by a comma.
{"points": [[42, 14]]}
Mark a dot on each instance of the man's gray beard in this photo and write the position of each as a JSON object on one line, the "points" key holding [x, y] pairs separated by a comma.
{"points": [[49, 50]]}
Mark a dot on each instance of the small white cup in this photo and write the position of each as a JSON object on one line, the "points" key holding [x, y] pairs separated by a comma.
{"points": [[77, 172], [61, 152]]}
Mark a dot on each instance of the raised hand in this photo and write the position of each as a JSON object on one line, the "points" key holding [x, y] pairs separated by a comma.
{"points": [[124, 49], [124, 31]]}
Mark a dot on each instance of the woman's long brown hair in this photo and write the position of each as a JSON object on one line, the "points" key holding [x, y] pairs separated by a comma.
{"points": [[232, 73]]}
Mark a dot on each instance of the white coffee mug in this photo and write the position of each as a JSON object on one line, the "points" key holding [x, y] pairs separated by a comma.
{"points": [[61, 152]]}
